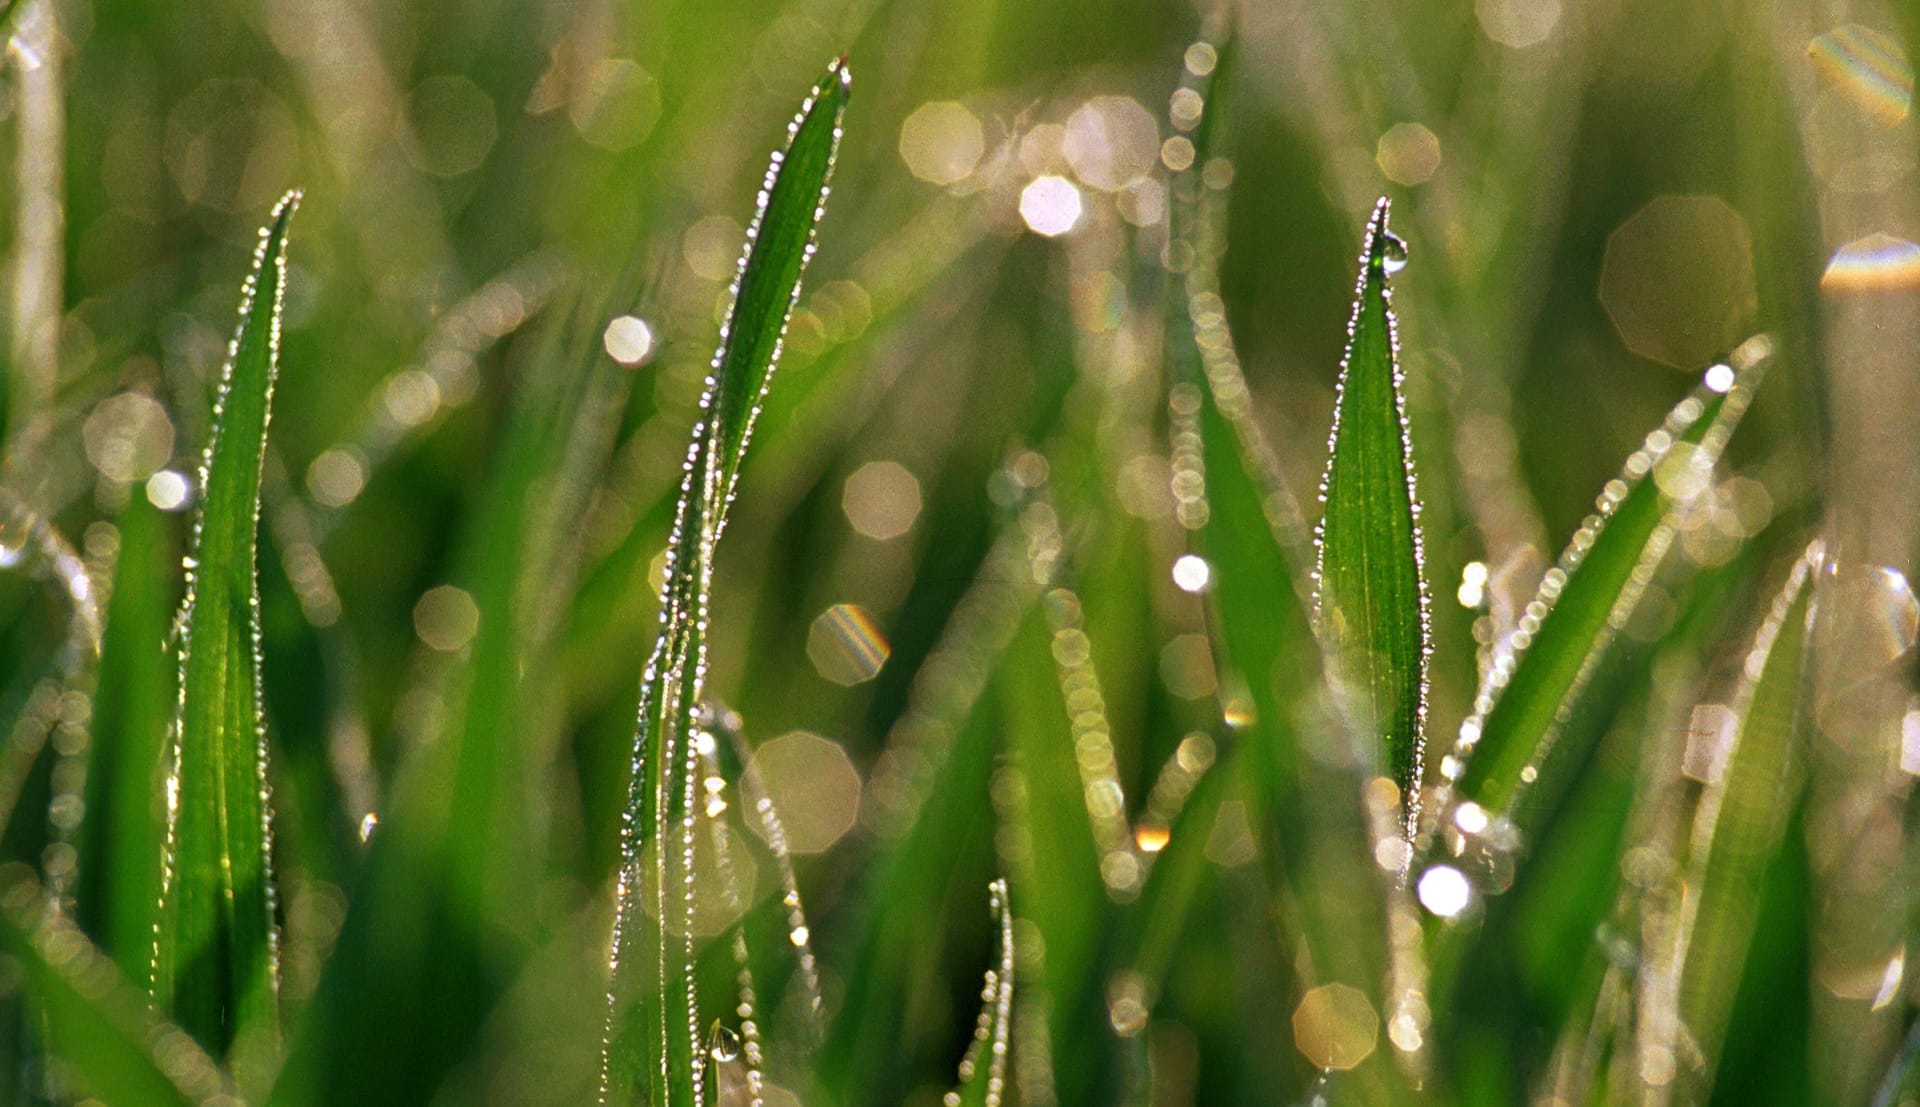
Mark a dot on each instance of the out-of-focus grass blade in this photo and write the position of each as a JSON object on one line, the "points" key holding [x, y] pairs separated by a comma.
{"points": [[650, 1053], [1371, 602], [983, 1071], [1510, 740], [216, 961], [121, 841], [1737, 825], [112, 1043]]}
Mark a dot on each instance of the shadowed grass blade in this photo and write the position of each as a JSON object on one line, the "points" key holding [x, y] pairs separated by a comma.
{"points": [[1371, 602], [112, 1043], [1740, 817], [215, 954], [983, 1071], [123, 837], [650, 1054], [1538, 675]]}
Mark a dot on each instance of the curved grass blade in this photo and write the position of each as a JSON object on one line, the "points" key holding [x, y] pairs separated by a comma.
{"points": [[1738, 824], [216, 956], [112, 1043], [1371, 603], [650, 1055], [983, 1071], [1538, 676]]}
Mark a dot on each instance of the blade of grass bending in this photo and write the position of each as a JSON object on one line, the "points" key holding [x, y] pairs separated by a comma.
{"points": [[1738, 822], [983, 1071], [651, 1055], [216, 961], [1371, 604], [110, 1040], [1538, 676], [124, 834]]}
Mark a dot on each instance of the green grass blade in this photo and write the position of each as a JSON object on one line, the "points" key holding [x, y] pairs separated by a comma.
{"points": [[215, 957], [651, 1052], [983, 1071], [110, 1040], [125, 831], [1532, 688], [1742, 812], [1371, 603]]}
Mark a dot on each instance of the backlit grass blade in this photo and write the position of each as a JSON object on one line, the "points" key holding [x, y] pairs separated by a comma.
{"points": [[651, 1050], [1741, 814], [1510, 739], [216, 956], [1371, 601], [983, 1071], [110, 1040]]}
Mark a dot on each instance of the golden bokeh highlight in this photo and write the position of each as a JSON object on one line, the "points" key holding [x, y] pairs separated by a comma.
{"points": [[1335, 1027]]}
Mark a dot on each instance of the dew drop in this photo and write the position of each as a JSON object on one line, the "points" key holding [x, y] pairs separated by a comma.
{"points": [[1393, 253], [723, 1045], [1444, 891]]}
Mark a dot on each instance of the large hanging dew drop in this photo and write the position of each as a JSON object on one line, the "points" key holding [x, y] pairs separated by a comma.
{"points": [[1393, 253]]}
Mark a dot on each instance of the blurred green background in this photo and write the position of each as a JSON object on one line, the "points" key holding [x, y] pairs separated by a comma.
{"points": [[1600, 198]]}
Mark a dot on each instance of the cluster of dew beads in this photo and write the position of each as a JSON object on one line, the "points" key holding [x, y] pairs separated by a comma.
{"points": [[1482, 850]]}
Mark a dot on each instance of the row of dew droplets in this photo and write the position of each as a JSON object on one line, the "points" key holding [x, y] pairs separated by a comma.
{"points": [[1483, 845], [1393, 259], [674, 677], [985, 1086], [264, 251]]}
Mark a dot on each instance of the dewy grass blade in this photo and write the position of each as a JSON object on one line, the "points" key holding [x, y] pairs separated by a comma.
{"points": [[1742, 812], [116, 1047], [652, 1055], [1370, 602], [983, 1071], [1537, 676], [216, 956]]}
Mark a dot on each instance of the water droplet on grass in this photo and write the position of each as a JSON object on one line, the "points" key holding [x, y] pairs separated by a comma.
{"points": [[1393, 253]]}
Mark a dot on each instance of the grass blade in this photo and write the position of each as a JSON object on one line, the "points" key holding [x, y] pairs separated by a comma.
{"points": [[114, 1045], [1738, 823], [650, 1054], [1538, 675], [983, 1071], [124, 835], [1371, 604], [216, 961]]}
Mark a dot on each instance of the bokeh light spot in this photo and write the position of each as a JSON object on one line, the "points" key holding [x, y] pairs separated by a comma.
{"points": [[628, 340], [1409, 154], [1518, 24], [941, 142], [446, 618], [1868, 67], [128, 436], [1335, 1027], [881, 500], [337, 477], [1677, 281], [814, 788], [846, 646], [1111, 140], [1050, 205], [1876, 263]]}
